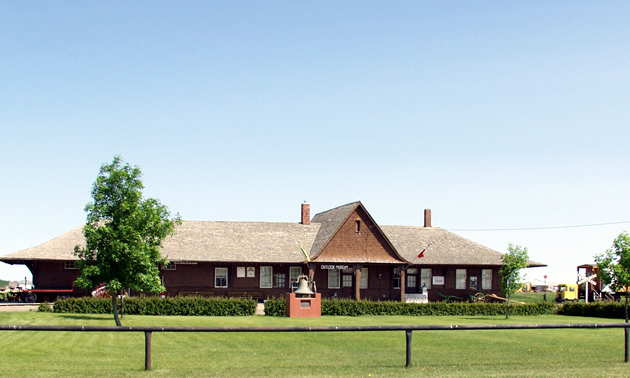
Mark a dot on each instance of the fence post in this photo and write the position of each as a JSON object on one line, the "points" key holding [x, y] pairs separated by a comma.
{"points": [[408, 336], [625, 344], [147, 350]]}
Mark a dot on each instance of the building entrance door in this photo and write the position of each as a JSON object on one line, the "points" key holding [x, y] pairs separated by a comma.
{"points": [[347, 283], [474, 283]]}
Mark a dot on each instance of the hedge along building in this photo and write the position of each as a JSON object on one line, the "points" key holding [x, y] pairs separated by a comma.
{"points": [[344, 252]]}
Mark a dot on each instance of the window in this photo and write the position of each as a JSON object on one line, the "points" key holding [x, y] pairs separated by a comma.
{"points": [[486, 279], [333, 279], [364, 278], [347, 280], [396, 278], [70, 265], [425, 278], [460, 279], [280, 280], [266, 276], [346, 277], [294, 273], [358, 224], [412, 277], [220, 277], [170, 266], [412, 281]]}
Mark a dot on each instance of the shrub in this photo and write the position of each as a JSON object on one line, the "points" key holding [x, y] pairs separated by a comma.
{"points": [[349, 307], [188, 306], [275, 307], [601, 309], [84, 305], [44, 307]]}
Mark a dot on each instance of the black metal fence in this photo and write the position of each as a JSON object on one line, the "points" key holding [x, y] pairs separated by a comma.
{"points": [[148, 331]]}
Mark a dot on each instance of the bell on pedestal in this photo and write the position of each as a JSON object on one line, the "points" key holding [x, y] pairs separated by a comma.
{"points": [[303, 287]]}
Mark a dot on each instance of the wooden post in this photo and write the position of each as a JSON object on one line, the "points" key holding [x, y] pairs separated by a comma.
{"points": [[147, 350], [408, 336], [626, 336], [311, 278], [626, 340], [403, 283], [357, 281]]}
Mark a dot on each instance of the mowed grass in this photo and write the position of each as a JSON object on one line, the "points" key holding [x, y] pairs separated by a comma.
{"points": [[508, 353], [532, 297]]}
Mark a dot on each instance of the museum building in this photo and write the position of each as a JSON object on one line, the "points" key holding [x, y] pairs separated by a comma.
{"points": [[343, 251]]}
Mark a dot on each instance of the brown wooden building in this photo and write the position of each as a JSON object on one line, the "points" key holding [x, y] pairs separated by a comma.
{"points": [[343, 250]]}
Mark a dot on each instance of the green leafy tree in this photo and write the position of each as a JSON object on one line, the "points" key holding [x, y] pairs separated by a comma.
{"points": [[614, 266], [123, 234], [510, 272], [614, 270]]}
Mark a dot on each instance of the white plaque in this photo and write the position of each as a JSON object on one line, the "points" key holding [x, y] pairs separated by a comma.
{"points": [[438, 280], [240, 271], [251, 271]]}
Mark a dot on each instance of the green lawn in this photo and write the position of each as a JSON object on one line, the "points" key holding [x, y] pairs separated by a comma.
{"points": [[532, 297], [536, 353]]}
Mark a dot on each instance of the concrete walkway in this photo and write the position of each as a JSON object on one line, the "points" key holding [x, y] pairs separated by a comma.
{"points": [[11, 306], [260, 310]]}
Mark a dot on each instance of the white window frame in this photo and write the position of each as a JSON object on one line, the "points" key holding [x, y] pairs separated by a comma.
{"points": [[460, 279], [426, 277], [364, 278], [486, 279], [220, 272], [294, 273], [334, 279], [266, 277], [70, 265]]}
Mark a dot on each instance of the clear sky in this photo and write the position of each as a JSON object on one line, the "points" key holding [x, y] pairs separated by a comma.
{"points": [[495, 115]]}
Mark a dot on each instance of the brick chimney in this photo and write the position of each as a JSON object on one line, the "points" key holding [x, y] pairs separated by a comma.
{"points": [[306, 214], [427, 217]]}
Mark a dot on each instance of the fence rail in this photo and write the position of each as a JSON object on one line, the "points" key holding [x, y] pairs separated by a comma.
{"points": [[148, 330]]}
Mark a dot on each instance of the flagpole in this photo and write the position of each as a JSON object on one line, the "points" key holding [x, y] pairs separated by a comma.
{"points": [[420, 255]]}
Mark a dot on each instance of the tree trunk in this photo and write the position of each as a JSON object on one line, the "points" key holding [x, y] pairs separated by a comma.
{"points": [[626, 305], [115, 309], [507, 311], [122, 304]]}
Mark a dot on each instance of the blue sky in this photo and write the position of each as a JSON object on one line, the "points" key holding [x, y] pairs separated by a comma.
{"points": [[495, 115]]}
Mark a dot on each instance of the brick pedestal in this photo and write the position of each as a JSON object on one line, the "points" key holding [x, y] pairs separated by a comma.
{"points": [[297, 307]]}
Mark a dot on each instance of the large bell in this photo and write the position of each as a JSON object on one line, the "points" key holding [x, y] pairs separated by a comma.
{"points": [[303, 287]]}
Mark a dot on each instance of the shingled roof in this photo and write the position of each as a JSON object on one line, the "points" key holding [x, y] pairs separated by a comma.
{"points": [[240, 242], [446, 247], [329, 222], [270, 242], [60, 248], [203, 241]]}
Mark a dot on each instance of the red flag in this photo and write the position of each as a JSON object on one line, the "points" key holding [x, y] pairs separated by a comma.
{"points": [[421, 255]]}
